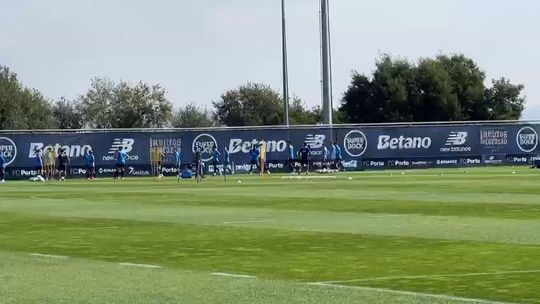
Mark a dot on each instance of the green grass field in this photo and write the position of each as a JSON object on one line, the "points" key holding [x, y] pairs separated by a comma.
{"points": [[421, 237]]}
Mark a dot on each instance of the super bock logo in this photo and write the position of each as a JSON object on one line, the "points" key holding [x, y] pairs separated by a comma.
{"points": [[8, 149], [355, 143], [527, 139], [204, 143]]}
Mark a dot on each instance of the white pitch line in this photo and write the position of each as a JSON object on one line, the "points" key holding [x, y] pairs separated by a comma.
{"points": [[412, 293], [88, 228], [308, 177], [472, 274], [224, 274], [141, 265], [249, 222], [52, 256]]}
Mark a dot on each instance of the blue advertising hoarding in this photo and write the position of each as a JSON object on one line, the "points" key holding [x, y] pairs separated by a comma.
{"points": [[364, 147]]}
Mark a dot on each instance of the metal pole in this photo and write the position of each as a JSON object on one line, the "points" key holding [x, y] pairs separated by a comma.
{"points": [[325, 61], [285, 66]]}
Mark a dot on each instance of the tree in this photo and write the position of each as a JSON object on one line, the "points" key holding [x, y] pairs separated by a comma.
{"points": [[395, 91], [67, 114], [300, 115], [122, 105], [467, 84], [252, 104], [192, 116], [505, 100], [392, 94], [96, 104], [446, 88], [358, 105], [22, 108], [436, 100], [337, 116]]}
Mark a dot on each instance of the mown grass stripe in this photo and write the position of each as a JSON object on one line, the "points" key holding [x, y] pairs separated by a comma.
{"points": [[412, 293], [433, 276]]}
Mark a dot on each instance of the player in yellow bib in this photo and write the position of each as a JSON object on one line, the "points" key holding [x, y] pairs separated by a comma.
{"points": [[50, 162]]}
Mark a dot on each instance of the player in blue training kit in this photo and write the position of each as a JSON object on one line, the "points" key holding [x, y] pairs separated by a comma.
{"points": [[226, 161], [2, 167], [121, 158], [215, 160], [292, 158], [178, 160], [325, 155], [90, 163], [304, 158], [336, 153], [40, 168], [254, 157]]}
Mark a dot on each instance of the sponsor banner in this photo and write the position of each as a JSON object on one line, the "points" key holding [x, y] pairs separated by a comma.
{"points": [[494, 159], [412, 163], [399, 163], [535, 161], [527, 139], [355, 143], [374, 164], [494, 140], [434, 141], [470, 161], [8, 149], [457, 142], [519, 160], [362, 147], [351, 164], [424, 163], [447, 162], [419, 163]]}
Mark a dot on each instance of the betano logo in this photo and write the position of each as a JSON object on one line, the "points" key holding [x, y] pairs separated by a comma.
{"points": [[71, 150], [403, 143], [238, 145]]}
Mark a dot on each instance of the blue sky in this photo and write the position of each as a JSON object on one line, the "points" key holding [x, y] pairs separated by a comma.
{"points": [[199, 49]]}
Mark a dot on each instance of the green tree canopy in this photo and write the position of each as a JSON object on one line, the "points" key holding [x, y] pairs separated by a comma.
{"points": [[192, 116], [20, 107], [445, 88], [122, 105], [252, 104], [504, 100], [67, 114], [299, 114]]}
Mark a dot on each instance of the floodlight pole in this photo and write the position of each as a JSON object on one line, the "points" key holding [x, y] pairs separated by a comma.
{"points": [[327, 107], [285, 66]]}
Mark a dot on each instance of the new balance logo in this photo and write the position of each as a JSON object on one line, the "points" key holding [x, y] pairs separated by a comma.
{"points": [[125, 143], [315, 141], [456, 139]]}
